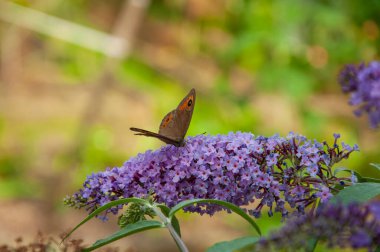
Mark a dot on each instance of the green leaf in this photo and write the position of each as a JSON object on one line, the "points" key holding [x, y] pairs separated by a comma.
{"points": [[336, 171], [368, 179], [228, 205], [360, 192], [360, 178], [311, 245], [128, 230], [377, 166], [229, 246], [174, 220], [103, 208]]}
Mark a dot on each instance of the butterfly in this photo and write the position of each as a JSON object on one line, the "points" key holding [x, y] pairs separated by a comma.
{"points": [[174, 125]]}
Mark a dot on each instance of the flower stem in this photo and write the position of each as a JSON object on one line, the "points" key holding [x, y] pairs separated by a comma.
{"points": [[181, 245]]}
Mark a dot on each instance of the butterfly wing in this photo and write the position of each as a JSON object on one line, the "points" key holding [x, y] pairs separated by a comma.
{"points": [[142, 132], [176, 123], [174, 126]]}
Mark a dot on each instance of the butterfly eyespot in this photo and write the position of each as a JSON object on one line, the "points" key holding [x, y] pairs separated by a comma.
{"points": [[190, 102]]}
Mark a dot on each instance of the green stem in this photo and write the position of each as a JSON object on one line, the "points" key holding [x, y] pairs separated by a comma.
{"points": [[181, 245]]}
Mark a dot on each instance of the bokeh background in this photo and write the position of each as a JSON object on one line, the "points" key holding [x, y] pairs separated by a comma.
{"points": [[75, 75]]}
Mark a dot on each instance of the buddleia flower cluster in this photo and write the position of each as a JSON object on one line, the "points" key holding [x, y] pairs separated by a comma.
{"points": [[274, 172], [344, 226], [363, 83]]}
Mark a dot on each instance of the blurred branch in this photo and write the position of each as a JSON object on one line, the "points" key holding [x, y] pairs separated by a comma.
{"points": [[110, 45], [116, 45], [126, 27], [12, 46]]}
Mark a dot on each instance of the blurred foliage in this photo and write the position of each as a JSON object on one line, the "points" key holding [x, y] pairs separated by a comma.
{"points": [[261, 66]]}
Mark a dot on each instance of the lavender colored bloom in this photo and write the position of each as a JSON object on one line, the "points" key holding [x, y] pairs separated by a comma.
{"points": [[363, 83], [240, 168], [354, 226], [324, 194]]}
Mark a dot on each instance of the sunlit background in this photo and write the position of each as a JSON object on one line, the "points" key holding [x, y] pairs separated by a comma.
{"points": [[75, 75]]}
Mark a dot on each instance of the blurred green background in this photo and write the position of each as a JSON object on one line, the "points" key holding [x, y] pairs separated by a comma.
{"points": [[260, 66]]}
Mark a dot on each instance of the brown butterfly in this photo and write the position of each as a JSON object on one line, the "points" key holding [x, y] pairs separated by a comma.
{"points": [[174, 126]]}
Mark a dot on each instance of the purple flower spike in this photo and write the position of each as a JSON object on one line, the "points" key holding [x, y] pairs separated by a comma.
{"points": [[240, 168], [363, 82], [353, 226]]}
